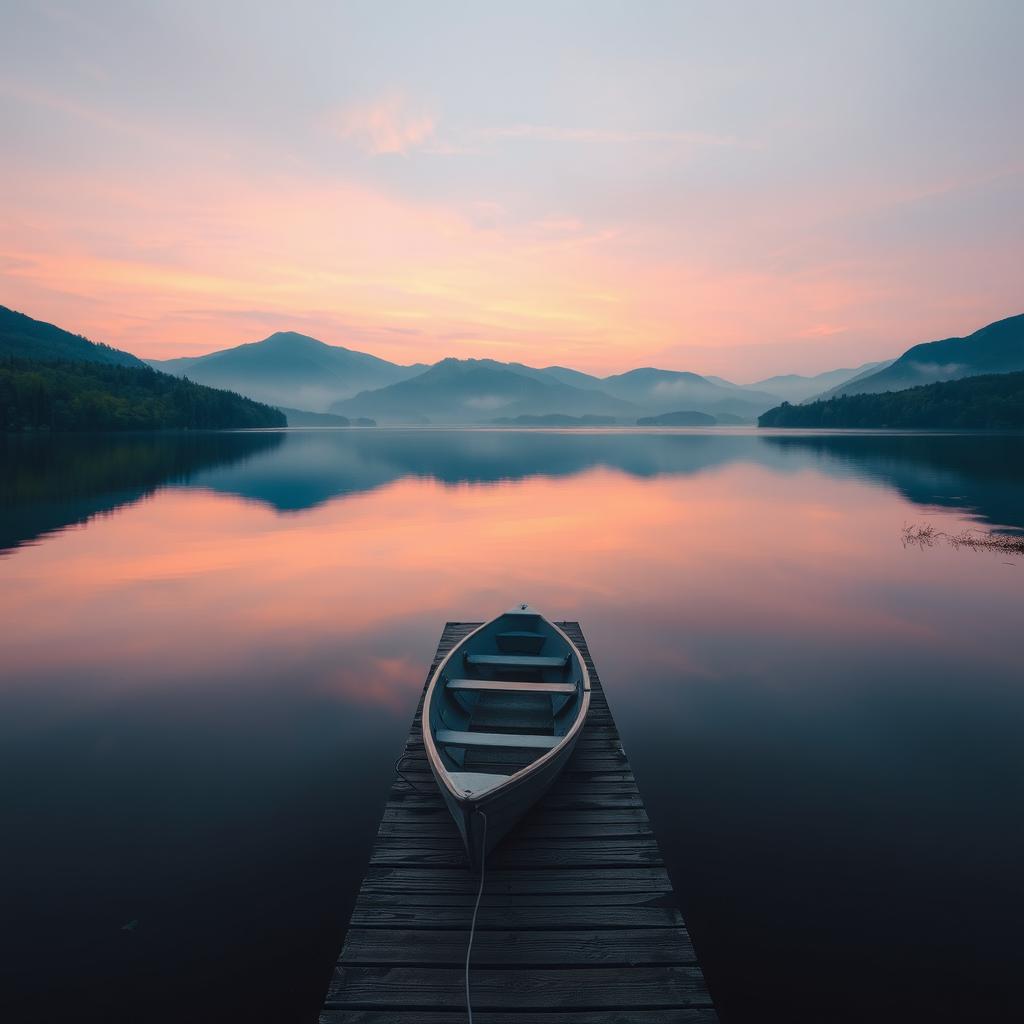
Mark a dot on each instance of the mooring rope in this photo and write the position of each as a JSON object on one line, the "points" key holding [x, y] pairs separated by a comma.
{"points": [[405, 778], [476, 907]]}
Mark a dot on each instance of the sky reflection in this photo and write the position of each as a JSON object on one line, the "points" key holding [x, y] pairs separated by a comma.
{"points": [[210, 681]]}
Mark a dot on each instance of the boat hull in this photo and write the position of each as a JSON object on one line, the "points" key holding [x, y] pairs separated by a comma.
{"points": [[504, 809], [486, 806]]}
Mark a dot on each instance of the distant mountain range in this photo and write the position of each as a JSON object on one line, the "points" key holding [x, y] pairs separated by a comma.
{"points": [[483, 390], [302, 374], [477, 391], [290, 369], [791, 387], [997, 348], [658, 391]]}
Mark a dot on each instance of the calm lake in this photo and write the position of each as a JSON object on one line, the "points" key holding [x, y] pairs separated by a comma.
{"points": [[212, 647]]}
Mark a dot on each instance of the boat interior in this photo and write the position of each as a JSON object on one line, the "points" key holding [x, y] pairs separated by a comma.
{"points": [[507, 695]]}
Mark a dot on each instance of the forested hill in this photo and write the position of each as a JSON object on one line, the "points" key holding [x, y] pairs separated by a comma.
{"points": [[990, 402], [74, 396], [25, 338], [995, 348]]}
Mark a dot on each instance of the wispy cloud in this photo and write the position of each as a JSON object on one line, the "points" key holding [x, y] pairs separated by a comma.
{"points": [[823, 330], [66, 105], [389, 124], [554, 133]]}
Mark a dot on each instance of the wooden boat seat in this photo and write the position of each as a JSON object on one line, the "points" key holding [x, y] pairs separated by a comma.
{"points": [[516, 661], [454, 738], [509, 686], [520, 641]]}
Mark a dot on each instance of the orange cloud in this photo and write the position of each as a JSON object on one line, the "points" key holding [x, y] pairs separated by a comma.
{"points": [[408, 280], [386, 125], [605, 191], [117, 257]]}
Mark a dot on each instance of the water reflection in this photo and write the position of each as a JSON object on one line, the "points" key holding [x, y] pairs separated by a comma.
{"points": [[50, 483], [202, 694], [975, 473], [312, 468]]}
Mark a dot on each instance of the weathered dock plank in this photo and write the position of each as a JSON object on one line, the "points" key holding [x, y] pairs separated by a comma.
{"points": [[561, 987], [578, 922], [520, 947], [627, 911], [673, 1016], [520, 882]]}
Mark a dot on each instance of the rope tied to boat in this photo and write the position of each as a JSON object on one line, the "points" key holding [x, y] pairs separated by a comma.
{"points": [[476, 908], [405, 778]]}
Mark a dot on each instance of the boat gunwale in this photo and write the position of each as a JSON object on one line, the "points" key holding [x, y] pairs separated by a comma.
{"points": [[516, 778]]}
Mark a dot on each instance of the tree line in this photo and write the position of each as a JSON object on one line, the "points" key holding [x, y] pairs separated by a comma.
{"points": [[77, 396], [989, 402]]}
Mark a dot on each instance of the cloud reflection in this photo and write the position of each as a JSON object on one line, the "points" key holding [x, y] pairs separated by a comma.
{"points": [[346, 599]]}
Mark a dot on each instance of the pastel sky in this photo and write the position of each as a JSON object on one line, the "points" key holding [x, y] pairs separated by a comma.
{"points": [[731, 188]]}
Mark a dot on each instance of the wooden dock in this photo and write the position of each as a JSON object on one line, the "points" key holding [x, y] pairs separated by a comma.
{"points": [[578, 921]]}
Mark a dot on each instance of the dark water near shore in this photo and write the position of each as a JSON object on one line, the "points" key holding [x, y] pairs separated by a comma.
{"points": [[212, 647]]}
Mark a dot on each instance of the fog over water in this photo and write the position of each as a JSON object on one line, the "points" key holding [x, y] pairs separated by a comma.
{"points": [[213, 646]]}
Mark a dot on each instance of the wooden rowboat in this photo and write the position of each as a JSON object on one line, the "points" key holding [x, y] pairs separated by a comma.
{"points": [[501, 717]]}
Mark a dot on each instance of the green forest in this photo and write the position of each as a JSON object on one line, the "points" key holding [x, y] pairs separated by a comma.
{"points": [[75, 396], [989, 402]]}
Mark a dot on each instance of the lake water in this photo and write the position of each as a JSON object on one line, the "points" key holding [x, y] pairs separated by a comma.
{"points": [[212, 647]]}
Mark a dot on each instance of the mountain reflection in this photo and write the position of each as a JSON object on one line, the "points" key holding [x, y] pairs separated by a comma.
{"points": [[315, 467], [974, 473], [978, 474], [51, 483]]}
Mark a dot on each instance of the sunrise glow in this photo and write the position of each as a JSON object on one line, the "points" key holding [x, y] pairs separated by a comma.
{"points": [[603, 191]]}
